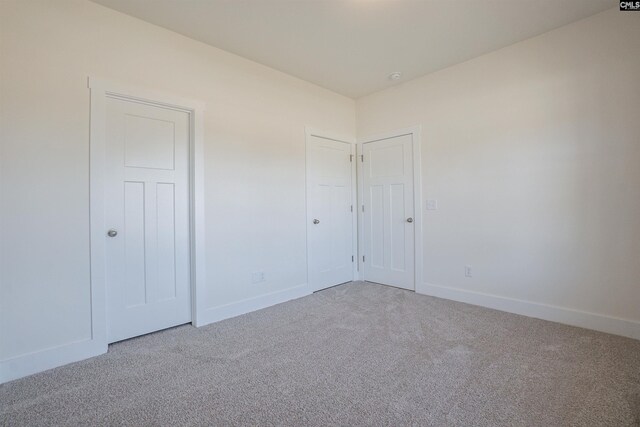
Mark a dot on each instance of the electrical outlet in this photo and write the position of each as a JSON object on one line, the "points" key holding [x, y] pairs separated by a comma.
{"points": [[257, 277], [432, 205], [467, 271]]}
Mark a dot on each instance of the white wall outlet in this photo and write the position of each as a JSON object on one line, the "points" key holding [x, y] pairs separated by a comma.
{"points": [[257, 277], [467, 271], [432, 205]]}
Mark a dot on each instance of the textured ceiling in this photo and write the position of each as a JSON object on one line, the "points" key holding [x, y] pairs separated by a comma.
{"points": [[351, 46]]}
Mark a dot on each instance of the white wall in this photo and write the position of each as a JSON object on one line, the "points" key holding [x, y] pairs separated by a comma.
{"points": [[533, 153], [254, 149]]}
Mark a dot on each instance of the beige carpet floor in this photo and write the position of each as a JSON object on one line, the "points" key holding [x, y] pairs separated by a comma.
{"points": [[356, 354]]}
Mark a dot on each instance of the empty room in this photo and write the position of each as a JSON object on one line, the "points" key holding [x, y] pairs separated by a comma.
{"points": [[320, 212]]}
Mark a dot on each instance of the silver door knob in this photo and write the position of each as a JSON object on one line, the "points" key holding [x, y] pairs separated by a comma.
{"points": [[409, 219], [316, 221], [112, 233]]}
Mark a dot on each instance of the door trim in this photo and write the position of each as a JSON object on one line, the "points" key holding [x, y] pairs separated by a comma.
{"points": [[308, 133], [100, 91], [416, 142]]}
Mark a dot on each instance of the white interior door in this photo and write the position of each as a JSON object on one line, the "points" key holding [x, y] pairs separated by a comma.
{"points": [[388, 227], [329, 212], [147, 216]]}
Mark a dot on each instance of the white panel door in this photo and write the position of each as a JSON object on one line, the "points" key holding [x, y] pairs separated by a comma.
{"points": [[147, 216], [388, 226], [329, 212]]}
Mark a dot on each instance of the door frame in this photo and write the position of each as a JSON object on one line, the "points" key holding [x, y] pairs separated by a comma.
{"points": [[416, 142], [100, 91], [308, 133]]}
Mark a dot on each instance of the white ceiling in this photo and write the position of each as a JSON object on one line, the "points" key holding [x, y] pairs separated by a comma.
{"points": [[351, 46]]}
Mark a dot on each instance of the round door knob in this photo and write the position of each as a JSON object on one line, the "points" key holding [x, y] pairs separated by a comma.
{"points": [[112, 233], [316, 221], [409, 219]]}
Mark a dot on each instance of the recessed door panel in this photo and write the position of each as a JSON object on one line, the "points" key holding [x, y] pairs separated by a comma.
{"points": [[323, 238], [149, 142], [133, 237], [166, 289], [398, 226], [386, 162], [377, 229]]}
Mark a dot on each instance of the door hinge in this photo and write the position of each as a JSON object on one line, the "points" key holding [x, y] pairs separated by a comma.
{"points": [[351, 208], [362, 208], [352, 259], [362, 157], [362, 258], [351, 157]]}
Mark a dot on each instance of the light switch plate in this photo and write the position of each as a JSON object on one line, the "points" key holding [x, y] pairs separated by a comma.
{"points": [[432, 204]]}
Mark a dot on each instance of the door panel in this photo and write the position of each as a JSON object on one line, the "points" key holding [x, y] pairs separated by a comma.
{"points": [[329, 201], [147, 203], [166, 288], [388, 204], [377, 225], [134, 245], [398, 226]]}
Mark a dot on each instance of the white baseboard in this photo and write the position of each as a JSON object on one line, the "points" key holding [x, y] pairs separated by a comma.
{"points": [[612, 325], [215, 314], [32, 363], [39, 361]]}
